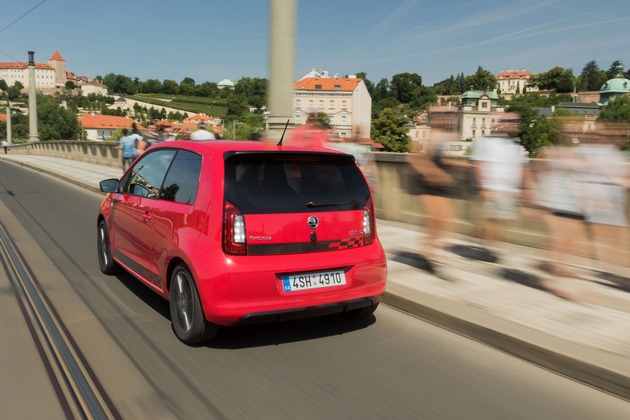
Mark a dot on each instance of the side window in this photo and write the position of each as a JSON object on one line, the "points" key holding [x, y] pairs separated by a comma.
{"points": [[146, 176], [182, 179]]}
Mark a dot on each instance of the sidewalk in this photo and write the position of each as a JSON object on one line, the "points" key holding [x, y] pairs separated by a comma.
{"points": [[508, 304]]}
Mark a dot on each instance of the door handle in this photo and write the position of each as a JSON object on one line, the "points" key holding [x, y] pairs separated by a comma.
{"points": [[147, 217]]}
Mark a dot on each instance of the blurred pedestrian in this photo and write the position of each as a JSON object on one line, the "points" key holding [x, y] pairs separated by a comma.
{"points": [[127, 145], [362, 156], [559, 193], [312, 134], [201, 133], [436, 189], [5, 146], [605, 184], [501, 176]]}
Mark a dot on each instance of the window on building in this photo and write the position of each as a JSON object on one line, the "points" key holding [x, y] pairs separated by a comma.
{"points": [[331, 104], [321, 104], [318, 87], [337, 87], [298, 103], [344, 104]]}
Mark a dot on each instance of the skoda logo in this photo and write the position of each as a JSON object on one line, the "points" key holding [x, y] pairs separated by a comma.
{"points": [[313, 222]]}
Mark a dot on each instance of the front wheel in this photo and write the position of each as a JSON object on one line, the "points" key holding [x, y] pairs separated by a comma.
{"points": [[106, 262], [189, 323]]}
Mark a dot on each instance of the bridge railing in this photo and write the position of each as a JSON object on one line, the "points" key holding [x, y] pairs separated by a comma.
{"points": [[394, 198]]}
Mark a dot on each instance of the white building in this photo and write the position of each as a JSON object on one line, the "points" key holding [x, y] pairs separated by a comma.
{"points": [[346, 101], [510, 82], [47, 76]]}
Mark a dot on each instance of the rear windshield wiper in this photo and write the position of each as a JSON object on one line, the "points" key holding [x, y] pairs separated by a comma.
{"points": [[312, 204]]}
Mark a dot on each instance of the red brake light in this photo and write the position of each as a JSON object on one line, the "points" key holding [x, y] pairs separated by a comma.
{"points": [[369, 223], [234, 242]]}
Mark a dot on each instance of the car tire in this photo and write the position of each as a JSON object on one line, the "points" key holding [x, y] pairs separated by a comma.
{"points": [[105, 261], [361, 313], [187, 318]]}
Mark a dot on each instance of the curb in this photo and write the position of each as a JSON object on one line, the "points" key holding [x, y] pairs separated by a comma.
{"points": [[605, 371]]}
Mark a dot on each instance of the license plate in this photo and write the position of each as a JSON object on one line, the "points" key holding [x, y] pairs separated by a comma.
{"points": [[305, 281]]}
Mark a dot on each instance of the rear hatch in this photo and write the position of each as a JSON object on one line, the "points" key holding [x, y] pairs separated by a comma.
{"points": [[281, 202]]}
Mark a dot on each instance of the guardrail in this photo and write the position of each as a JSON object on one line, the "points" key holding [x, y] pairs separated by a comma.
{"points": [[98, 152]]}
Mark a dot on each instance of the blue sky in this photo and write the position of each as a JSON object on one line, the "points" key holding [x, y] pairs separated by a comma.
{"points": [[211, 40]]}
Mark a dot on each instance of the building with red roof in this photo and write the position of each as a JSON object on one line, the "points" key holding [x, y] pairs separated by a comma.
{"points": [[345, 100], [99, 127], [48, 76], [512, 82]]}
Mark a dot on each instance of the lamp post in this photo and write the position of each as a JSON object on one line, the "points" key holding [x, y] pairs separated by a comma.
{"points": [[9, 122], [234, 124], [32, 99]]}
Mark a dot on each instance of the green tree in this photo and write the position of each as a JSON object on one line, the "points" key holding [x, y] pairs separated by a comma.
{"points": [[253, 89], [54, 121], [3, 85], [591, 78], [170, 87], [542, 132], [390, 131], [14, 92], [557, 79], [617, 110], [237, 105], [120, 84], [481, 80], [614, 69], [405, 87], [447, 87], [150, 86]]}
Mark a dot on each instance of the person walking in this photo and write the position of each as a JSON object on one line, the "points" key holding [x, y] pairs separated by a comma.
{"points": [[127, 145], [202, 133], [5, 146]]}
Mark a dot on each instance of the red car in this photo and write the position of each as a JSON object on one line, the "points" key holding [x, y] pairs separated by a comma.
{"points": [[242, 232]]}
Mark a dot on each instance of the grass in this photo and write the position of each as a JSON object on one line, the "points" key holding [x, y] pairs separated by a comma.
{"points": [[195, 104]]}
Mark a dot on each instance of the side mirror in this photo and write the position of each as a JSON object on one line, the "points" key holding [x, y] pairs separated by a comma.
{"points": [[109, 185]]}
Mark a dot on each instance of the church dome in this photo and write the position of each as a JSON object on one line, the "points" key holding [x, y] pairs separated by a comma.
{"points": [[617, 86], [226, 83]]}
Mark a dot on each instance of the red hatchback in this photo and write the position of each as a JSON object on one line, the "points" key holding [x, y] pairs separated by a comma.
{"points": [[242, 232]]}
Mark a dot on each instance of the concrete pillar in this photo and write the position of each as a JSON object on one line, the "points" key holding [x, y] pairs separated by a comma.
{"points": [[9, 136], [281, 66], [32, 99]]}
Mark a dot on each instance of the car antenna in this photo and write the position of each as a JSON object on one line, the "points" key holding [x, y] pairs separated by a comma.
{"points": [[283, 131]]}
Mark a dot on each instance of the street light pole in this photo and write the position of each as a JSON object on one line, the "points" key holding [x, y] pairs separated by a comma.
{"points": [[234, 124], [9, 122], [32, 99]]}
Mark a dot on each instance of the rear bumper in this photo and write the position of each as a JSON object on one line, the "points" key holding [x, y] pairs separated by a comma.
{"points": [[309, 312]]}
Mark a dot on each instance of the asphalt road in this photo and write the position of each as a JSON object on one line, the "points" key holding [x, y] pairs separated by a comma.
{"points": [[392, 366]]}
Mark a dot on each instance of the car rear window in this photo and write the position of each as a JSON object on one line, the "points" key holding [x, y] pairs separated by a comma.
{"points": [[286, 182]]}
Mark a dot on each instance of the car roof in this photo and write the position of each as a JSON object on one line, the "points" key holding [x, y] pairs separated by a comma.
{"points": [[221, 146]]}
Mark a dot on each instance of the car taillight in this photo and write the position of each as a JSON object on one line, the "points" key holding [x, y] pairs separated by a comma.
{"points": [[234, 242], [369, 223]]}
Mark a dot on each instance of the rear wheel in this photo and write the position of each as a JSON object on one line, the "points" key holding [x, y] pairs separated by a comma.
{"points": [[106, 262], [361, 313], [189, 323]]}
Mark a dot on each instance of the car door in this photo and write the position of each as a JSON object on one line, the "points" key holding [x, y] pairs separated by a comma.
{"points": [[172, 214], [132, 232]]}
